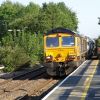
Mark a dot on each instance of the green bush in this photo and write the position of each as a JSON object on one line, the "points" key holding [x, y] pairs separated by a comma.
{"points": [[98, 42], [13, 58], [18, 48]]}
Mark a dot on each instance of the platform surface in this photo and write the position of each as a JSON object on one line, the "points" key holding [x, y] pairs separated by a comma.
{"points": [[82, 84]]}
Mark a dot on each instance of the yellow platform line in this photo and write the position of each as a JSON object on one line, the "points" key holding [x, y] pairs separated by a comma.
{"points": [[88, 80]]}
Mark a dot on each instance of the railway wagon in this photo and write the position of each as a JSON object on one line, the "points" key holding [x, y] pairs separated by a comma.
{"points": [[63, 51]]}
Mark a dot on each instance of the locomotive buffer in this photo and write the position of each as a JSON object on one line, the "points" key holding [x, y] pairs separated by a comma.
{"points": [[82, 84]]}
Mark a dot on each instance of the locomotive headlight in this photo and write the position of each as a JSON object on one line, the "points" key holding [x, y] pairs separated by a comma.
{"points": [[49, 58]]}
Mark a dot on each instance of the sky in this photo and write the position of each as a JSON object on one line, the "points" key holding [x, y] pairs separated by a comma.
{"points": [[87, 12]]}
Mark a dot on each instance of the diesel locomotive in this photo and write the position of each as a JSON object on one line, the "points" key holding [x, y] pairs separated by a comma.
{"points": [[64, 50]]}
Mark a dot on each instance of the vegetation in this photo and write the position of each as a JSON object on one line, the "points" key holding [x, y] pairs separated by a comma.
{"points": [[22, 28], [98, 41]]}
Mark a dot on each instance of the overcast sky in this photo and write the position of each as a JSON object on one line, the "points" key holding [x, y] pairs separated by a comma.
{"points": [[87, 12]]}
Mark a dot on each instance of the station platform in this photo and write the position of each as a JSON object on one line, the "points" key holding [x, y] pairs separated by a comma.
{"points": [[82, 84]]}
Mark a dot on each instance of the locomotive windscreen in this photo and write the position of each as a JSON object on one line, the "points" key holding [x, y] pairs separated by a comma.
{"points": [[68, 41], [52, 41]]}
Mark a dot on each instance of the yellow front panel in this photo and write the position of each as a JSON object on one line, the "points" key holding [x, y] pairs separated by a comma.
{"points": [[59, 54]]}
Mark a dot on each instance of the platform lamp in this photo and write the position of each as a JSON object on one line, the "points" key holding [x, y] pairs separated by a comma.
{"points": [[99, 20]]}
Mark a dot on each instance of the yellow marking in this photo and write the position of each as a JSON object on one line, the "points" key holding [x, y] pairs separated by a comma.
{"points": [[88, 81]]}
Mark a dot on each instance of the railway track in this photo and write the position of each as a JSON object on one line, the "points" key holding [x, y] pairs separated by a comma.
{"points": [[34, 88], [11, 85], [40, 88], [28, 84], [31, 84]]}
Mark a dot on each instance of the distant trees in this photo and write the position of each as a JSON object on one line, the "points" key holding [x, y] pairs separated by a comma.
{"points": [[36, 18], [98, 41]]}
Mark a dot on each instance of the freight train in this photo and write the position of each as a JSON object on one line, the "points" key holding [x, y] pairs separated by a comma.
{"points": [[64, 50]]}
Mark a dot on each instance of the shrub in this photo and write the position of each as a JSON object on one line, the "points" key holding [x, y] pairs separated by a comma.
{"points": [[18, 48], [13, 58]]}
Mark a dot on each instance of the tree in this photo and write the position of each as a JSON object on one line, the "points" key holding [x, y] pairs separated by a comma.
{"points": [[57, 15], [69, 19], [98, 41], [29, 18]]}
